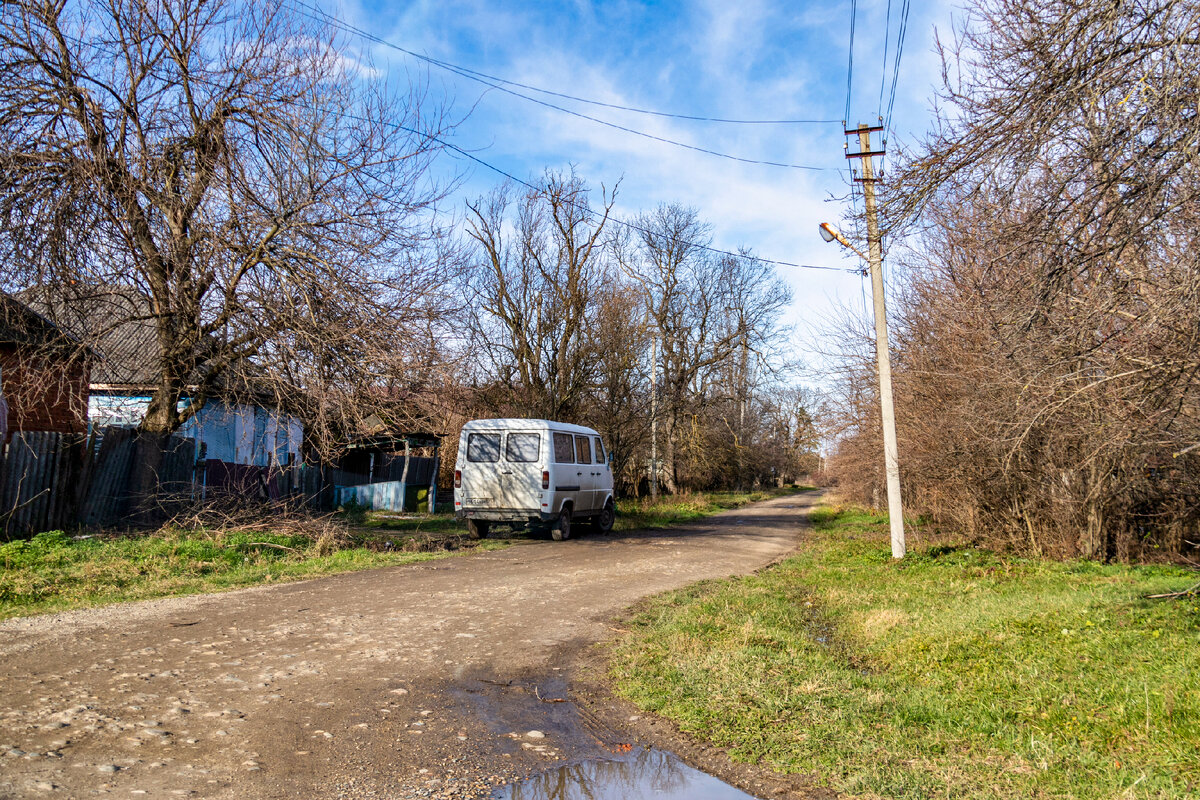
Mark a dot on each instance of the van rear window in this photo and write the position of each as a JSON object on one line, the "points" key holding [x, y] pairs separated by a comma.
{"points": [[522, 447], [483, 447], [564, 448]]}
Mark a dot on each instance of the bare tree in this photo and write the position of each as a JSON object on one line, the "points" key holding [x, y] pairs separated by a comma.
{"points": [[232, 169], [1046, 338], [704, 309], [619, 406], [535, 288]]}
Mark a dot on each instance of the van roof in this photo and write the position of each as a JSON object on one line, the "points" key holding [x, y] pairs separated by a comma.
{"points": [[520, 424]]}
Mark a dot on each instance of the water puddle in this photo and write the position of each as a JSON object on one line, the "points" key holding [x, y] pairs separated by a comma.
{"points": [[639, 775]]}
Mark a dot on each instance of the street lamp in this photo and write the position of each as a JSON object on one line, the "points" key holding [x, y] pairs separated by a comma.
{"points": [[832, 234], [891, 456]]}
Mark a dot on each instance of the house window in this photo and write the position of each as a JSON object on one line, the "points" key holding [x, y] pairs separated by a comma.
{"points": [[483, 447], [522, 447], [564, 450]]}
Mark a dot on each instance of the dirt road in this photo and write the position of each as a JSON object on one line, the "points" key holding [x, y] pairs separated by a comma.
{"points": [[415, 681]]}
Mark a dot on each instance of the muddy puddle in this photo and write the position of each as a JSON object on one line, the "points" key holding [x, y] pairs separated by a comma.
{"points": [[642, 774]]}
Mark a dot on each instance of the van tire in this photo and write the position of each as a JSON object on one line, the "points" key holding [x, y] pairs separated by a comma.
{"points": [[604, 522], [562, 526], [477, 529]]}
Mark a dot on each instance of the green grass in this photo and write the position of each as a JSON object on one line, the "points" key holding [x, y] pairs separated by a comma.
{"points": [[53, 571], [671, 510], [413, 523], [953, 673]]}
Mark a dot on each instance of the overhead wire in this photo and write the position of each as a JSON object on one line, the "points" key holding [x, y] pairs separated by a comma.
{"points": [[350, 28], [900, 36], [850, 60], [626, 223], [887, 35], [496, 84], [583, 207]]}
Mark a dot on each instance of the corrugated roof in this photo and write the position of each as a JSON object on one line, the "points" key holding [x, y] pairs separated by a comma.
{"points": [[20, 324], [113, 321]]}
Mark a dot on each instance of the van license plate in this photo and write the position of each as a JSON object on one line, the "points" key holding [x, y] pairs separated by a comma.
{"points": [[477, 500]]}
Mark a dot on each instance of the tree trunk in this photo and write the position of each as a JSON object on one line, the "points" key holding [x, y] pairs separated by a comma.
{"points": [[161, 420], [145, 510]]}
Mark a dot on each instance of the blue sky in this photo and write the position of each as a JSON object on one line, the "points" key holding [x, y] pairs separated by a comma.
{"points": [[746, 59]]}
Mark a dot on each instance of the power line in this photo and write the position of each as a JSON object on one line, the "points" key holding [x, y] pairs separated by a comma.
{"points": [[434, 138], [622, 222], [496, 84], [617, 220], [647, 111], [903, 31], [850, 59], [887, 33], [349, 28]]}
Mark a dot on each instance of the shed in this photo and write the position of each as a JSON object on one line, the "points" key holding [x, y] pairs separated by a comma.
{"points": [[380, 471]]}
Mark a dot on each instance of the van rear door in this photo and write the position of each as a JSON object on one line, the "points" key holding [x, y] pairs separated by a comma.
{"points": [[521, 469], [481, 471]]}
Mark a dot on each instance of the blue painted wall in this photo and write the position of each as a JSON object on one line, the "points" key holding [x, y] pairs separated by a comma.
{"points": [[234, 433]]}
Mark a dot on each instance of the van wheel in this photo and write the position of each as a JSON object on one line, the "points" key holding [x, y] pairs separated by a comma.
{"points": [[562, 526], [604, 522], [477, 529]]}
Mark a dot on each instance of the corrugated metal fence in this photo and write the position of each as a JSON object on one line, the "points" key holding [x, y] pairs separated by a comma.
{"points": [[39, 472], [52, 480], [56, 480], [110, 472]]}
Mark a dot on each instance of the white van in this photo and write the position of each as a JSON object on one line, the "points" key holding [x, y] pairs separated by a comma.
{"points": [[532, 472]]}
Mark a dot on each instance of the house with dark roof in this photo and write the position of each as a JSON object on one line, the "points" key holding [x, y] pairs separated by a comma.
{"points": [[118, 326], [43, 373]]}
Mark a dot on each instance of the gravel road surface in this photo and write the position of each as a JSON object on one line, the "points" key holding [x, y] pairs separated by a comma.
{"points": [[440, 679]]}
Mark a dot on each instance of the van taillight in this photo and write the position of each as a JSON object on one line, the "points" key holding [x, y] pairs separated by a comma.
{"points": [[545, 479], [458, 479]]}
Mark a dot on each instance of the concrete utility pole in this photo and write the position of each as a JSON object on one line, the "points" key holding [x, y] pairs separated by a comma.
{"points": [[891, 455], [654, 417]]}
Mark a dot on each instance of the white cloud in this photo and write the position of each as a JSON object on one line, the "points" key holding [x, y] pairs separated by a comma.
{"points": [[751, 58]]}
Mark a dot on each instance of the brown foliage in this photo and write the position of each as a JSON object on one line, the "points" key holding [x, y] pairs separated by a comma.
{"points": [[1048, 328]]}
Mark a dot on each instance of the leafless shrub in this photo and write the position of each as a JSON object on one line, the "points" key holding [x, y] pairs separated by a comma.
{"points": [[1046, 345]]}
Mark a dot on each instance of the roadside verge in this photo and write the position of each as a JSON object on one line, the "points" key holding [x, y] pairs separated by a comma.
{"points": [[57, 572], [956, 671]]}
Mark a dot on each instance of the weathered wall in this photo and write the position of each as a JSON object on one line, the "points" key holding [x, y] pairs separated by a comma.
{"points": [[43, 393]]}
